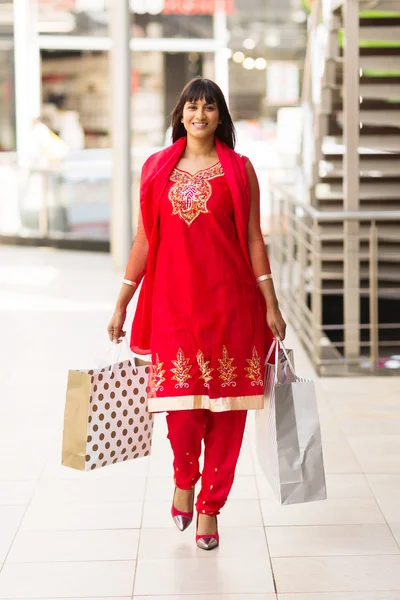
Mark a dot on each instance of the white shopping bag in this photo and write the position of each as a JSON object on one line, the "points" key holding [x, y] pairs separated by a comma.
{"points": [[288, 434]]}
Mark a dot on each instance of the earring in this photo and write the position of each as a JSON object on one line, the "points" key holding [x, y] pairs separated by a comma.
{"points": [[220, 122]]}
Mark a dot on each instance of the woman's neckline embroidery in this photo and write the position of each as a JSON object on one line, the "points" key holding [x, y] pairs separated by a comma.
{"points": [[199, 171], [190, 193]]}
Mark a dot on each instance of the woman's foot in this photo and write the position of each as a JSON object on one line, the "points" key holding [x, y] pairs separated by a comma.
{"points": [[207, 537], [184, 499], [182, 508]]}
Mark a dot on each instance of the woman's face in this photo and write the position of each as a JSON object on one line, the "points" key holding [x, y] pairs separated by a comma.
{"points": [[200, 118]]}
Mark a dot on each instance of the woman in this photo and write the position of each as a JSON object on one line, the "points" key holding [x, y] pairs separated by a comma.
{"points": [[202, 310]]}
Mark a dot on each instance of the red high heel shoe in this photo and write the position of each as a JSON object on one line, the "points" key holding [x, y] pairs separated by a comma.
{"points": [[207, 541], [181, 519]]}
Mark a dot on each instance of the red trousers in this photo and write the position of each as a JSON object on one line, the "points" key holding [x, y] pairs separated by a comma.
{"points": [[223, 435]]}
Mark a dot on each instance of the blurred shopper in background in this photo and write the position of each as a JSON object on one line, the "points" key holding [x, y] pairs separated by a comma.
{"points": [[207, 309]]}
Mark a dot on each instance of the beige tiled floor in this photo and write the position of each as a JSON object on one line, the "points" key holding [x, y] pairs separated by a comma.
{"points": [[108, 534]]}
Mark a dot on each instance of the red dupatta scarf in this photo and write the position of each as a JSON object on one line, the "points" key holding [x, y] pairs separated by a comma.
{"points": [[155, 176]]}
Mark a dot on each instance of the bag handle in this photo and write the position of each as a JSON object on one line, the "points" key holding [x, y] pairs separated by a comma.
{"points": [[115, 348], [276, 344], [270, 350], [291, 367]]}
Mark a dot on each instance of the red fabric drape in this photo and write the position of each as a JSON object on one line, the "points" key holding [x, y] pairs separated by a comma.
{"points": [[155, 176]]}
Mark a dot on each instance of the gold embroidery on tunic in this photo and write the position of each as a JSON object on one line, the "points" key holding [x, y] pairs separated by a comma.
{"points": [[227, 370], [254, 369], [182, 370], [158, 375], [190, 193], [205, 368]]}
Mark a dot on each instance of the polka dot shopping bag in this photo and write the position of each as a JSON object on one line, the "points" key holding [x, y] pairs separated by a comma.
{"points": [[106, 417]]}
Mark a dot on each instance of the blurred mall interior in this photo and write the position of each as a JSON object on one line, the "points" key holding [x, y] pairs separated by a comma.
{"points": [[251, 47], [313, 87]]}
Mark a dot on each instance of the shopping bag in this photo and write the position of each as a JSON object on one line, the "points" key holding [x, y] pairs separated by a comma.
{"points": [[106, 417], [288, 434]]}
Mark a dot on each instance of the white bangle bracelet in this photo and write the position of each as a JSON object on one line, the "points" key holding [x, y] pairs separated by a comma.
{"points": [[264, 278], [129, 282]]}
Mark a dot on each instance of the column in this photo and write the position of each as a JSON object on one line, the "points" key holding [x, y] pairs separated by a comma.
{"points": [[121, 202], [221, 34], [27, 74], [351, 183]]}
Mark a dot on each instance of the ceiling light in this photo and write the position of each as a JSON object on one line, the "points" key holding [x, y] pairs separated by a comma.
{"points": [[227, 53], [238, 57], [260, 63], [299, 16], [249, 63], [272, 39], [249, 44]]}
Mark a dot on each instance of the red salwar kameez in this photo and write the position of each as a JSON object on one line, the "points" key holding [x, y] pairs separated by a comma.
{"points": [[207, 329]]}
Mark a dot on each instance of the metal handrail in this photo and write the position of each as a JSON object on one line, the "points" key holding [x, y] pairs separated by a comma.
{"points": [[297, 255], [342, 215]]}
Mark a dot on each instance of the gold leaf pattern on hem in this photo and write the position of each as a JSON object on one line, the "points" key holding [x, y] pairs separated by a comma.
{"points": [[227, 369], [158, 375], [254, 369], [182, 370], [204, 368]]}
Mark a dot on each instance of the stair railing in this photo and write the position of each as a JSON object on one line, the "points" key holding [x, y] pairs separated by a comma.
{"points": [[297, 258]]}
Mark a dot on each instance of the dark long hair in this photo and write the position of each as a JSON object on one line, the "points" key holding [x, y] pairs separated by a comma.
{"points": [[199, 89]]}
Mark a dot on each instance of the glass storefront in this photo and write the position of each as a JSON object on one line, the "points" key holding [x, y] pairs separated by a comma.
{"points": [[263, 53], [149, 19]]}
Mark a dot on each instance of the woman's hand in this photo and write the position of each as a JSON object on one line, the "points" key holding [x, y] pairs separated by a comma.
{"points": [[276, 323], [115, 326]]}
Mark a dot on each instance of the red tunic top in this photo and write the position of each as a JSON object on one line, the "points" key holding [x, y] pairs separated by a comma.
{"points": [[208, 338], [207, 318]]}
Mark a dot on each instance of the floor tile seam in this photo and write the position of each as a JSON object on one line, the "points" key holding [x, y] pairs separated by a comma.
{"points": [[70, 597], [209, 557], [73, 562], [327, 524], [221, 526], [20, 524], [146, 479], [327, 472], [283, 594], [323, 525], [372, 496], [37, 504], [266, 542], [375, 555], [335, 591], [57, 530], [346, 437], [397, 542]]}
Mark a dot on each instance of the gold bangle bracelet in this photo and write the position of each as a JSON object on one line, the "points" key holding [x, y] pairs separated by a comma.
{"points": [[264, 278], [129, 282]]}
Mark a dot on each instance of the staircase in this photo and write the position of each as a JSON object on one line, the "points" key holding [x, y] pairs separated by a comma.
{"points": [[353, 167]]}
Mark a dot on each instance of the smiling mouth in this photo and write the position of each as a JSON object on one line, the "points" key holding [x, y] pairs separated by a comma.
{"points": [[199, 125]]}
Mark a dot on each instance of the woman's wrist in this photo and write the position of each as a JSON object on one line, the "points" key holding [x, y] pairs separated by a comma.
{"points": [[125, 296], [120, 308]]}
